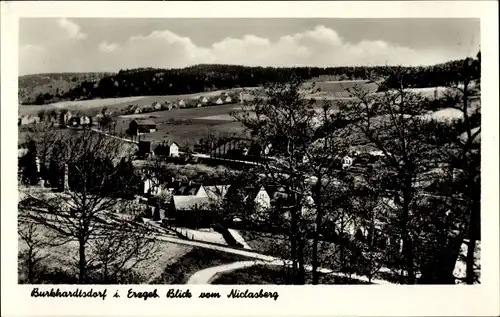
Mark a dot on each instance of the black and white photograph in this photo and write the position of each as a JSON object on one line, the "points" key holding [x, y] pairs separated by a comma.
{"points": [[188, 158], [249, 151]]}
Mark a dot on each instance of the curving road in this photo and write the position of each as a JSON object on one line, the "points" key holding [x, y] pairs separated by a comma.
{"points": [[206, 276]]}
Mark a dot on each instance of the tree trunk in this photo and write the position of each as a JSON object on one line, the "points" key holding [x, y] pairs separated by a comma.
{"points": [[315, 273], [293, 244], [302, 270], [317, 230], [30, 266], [407, 243], [82, 263], [470, 275]]}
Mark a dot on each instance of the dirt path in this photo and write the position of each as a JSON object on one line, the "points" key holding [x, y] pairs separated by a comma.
{"points": [[237, 236], [206, 276]]}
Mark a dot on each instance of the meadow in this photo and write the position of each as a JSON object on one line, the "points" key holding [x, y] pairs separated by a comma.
{"points": [[116, 103], [187, 125]]}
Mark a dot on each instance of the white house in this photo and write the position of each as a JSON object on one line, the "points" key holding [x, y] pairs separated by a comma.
{"points": [[199, 105], [173, 150], [156, 105], [267, 149], [259, 196], [203, 99], [228, 99], [29, 119], [346, 161], [151, 187], [182, 103], [377, 153], [219, 102]]}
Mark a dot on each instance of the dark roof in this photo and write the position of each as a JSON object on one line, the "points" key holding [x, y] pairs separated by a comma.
{"points": [[187, 190], [248, 192], [144, 122]]}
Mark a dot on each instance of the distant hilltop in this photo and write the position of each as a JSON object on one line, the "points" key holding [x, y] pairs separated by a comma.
{"points": [[54, 87]]}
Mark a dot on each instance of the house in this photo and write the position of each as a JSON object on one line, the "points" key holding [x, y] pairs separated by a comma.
{"points": [[167, 105], [151, 187], [29, 119], [140, 126], [167, 149], [260, 197], [219, 102], [144, 148], [77, 121], [74, 122], [190, 189], [347, 161], [173, 150], [267, 149], [156, 105], [181, 103], [64, 118], [199, 105], [85, 121], [228, 99], [146, 108], [252, 195], [98, 118], [203, 99]]}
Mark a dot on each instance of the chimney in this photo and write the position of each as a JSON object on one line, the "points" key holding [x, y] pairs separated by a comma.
{"points": [[66, 185]]}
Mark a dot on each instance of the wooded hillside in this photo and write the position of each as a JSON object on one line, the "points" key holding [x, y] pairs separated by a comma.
{"points": [[48, 88]]}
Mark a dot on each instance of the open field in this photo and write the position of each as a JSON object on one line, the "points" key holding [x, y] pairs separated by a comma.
{"points": [[187, 125], [60, 265], [116, 103], [82, 105], [329, 90]]}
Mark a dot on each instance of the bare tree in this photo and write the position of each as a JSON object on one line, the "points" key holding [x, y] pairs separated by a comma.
{"points": [[116, 255], [32, 255], [308, 142], [81, 213], [392, 122]]}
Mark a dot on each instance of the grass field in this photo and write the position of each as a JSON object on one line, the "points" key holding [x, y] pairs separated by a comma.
{"points": [[329, 90], [187, 126], [59, 267], [115, 103]]}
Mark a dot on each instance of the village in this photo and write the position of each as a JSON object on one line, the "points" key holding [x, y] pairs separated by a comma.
{"points": [[173, 203], [290, 172]]}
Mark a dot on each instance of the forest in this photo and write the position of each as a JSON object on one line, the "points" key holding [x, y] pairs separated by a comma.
{"points": [[204, 78]]}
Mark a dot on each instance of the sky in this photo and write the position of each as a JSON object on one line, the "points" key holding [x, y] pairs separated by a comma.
{"points": [[49, 45]]}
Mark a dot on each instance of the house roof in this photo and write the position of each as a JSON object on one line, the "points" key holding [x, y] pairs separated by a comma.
{"points": [[145, 122], [248, 192], [189, 202], [187, 190]]}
